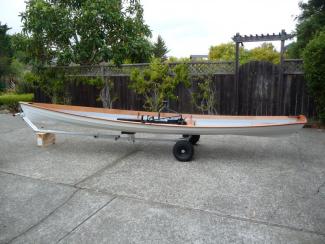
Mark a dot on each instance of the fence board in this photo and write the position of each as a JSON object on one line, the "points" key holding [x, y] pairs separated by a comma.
{"points": [[260, 93]]}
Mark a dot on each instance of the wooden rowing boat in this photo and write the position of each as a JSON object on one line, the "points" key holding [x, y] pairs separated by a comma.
{"points": [[164, 123]]}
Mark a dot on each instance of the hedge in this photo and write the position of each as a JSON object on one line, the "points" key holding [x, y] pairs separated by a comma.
{"points": [[10, 100], [314, 65]]}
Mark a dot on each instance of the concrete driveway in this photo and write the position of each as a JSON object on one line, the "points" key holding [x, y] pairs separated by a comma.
{"points": [[236, 190]]}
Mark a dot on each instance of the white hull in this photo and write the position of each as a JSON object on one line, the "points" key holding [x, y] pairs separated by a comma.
{"points": [[37, 114]]}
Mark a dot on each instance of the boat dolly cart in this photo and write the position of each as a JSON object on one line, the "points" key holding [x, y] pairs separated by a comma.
{"points": [[183, 150]]}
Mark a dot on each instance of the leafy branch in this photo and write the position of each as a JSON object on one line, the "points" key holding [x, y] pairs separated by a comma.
{"points": [[106, 94], [205, 99], [158, 83]]}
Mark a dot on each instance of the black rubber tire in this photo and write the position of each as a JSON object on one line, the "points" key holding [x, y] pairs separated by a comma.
{"points": [[194, 139], [183, 151]]}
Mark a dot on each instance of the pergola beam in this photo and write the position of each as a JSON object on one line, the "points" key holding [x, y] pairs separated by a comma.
{"points": [[282, 36]]}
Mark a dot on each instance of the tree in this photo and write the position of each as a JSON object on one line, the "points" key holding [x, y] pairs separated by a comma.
{"points": [[159, 48], [265, 52], [86, 31], [20, 43], [227, 52], [223, 52], [310, 22], [314, 66], [6, 51], [172, 59], [156, 84]]}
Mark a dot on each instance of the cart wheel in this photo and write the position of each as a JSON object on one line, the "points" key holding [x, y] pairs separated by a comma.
{"points": [[194, 139], [183, 151]]}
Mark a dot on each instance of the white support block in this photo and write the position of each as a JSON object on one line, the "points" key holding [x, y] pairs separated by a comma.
{"points": [[45, 139]]}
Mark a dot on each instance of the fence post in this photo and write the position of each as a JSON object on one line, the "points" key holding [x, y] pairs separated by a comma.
{"points": [[237, 80], [280, 86]]}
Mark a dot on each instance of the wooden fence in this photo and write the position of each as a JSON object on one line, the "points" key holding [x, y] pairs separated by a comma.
{"points": [[261, 92]]}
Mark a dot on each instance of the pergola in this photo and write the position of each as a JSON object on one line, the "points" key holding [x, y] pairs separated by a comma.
{"points": [[239, 39]]}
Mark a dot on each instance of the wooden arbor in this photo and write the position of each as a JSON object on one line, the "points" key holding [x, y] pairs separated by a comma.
{"points": [[238, 39]]}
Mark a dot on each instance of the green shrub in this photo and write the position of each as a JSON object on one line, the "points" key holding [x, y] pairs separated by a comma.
{"points": [[23, 87], [205, 99], [157, 85], [10, 100], [314, 66], [2, 86]]}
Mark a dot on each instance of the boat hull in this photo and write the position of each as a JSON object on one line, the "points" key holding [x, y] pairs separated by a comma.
{"points": [[38, 114]]}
